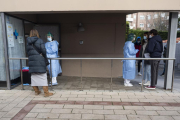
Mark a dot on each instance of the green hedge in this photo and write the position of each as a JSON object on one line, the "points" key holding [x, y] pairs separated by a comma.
{"points": [[163, 34]]}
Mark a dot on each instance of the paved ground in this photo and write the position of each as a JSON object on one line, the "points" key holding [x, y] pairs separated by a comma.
{"points": [[94, 102]]}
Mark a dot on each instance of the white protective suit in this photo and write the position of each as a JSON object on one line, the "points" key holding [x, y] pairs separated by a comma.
{"points": [[52, 52], [129, 66]]}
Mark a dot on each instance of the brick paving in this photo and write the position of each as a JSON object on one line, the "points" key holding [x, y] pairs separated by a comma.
{"points": [[94, 102], [24, 105]]}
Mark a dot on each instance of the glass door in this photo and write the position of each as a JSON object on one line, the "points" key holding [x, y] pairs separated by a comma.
{"points": [[16, 47], [3, 82]]}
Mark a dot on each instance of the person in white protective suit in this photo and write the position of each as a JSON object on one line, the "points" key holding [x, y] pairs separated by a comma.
{"points": [[52, 52], [129, 66]]}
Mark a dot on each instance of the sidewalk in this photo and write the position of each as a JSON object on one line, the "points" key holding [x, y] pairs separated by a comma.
{"points": [[94, 102], [129, 105]]}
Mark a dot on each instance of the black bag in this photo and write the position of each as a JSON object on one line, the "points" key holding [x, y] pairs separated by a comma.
{"points": [[46, 60]]}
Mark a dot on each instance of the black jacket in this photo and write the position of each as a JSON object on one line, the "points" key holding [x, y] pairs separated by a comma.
{"points": [[36, 61], [155, 47]]}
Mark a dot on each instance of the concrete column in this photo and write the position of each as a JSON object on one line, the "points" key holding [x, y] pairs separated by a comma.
{"points": [[171, 48], [5, 50]]}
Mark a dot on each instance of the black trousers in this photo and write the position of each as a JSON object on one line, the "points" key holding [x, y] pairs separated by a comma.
{"points": [[139, 65], [154, 72]]}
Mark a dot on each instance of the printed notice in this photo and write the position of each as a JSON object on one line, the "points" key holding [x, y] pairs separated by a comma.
{"points": [[10, 42], [20, 39], [10, 37]]}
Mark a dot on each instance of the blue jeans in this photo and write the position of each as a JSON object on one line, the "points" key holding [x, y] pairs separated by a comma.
{"points": [[147, 72]]}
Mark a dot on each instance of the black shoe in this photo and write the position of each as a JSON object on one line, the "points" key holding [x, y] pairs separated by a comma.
{"points": [[162, 74]]}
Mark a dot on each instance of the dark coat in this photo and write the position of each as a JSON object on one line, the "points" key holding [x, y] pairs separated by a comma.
{"points": [[36, 61], [155, 46]]}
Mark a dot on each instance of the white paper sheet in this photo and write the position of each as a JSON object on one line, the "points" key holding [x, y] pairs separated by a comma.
{"points": [[20, 39], [147, 55], [10, 37]]}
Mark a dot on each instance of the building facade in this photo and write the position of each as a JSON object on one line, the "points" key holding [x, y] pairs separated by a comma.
{"points": [[104, 36], [149, 20]]}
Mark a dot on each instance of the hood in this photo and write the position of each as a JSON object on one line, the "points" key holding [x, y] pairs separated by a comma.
{"points": [[32, 40], [157, 38], [137, 42]]}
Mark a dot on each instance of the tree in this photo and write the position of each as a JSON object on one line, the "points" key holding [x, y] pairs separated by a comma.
{"points": [[159, 21], [178, 22]]}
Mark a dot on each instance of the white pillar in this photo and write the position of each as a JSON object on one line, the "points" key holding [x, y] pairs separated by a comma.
{"points": [[171, 48]]}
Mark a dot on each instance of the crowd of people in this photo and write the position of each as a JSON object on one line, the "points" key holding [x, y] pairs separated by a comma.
{"points": [[38, 52], [150, 47]]}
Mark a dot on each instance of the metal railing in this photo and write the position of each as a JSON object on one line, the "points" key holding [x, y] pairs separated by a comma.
{"points": [[100, 59]]}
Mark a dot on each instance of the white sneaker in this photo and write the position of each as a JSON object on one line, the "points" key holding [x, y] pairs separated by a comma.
{"points": [[53, 84], [128, 84], [126, 81], [139, 74], [143, 82], [147, 83]]}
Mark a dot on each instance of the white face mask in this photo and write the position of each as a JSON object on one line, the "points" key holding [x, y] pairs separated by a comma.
{"points": [[133, 40], [145, 37], [150, 36], [49, 39]]}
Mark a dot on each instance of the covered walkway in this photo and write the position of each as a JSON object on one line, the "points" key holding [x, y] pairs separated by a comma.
{"points": [[103, 84]]}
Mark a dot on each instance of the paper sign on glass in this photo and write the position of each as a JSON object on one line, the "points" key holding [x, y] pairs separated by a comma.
{"points": [[10, 42], [10, 37], [9, 28], [20, 39]]}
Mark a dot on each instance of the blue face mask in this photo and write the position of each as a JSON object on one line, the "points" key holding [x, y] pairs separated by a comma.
{"points": [[145, 37], [49, 39]]}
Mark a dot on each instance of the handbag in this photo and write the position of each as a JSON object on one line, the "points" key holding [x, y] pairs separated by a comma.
{"points": [[46, 60]]}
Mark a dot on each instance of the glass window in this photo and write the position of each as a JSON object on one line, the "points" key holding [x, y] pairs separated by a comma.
{"points": [[142, 17], [148, 25], [162, 14], [134, 25], [141, 24], [178, 15], [129, 16], [16, 46], [149, 17], [167, 17], [155, 16], [2, 59], [134, 16]]}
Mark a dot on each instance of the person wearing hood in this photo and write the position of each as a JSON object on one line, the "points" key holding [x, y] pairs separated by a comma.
{"points": [[129, 66], [52, 52], [155, 48], [36, 52], [138, 46]]}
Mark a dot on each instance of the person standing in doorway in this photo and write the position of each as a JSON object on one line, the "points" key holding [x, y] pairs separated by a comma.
{"points": [[138, 46], [52, 52], [147, 65], [155, 48], [129, 66], [164, 55], [37, 63]]}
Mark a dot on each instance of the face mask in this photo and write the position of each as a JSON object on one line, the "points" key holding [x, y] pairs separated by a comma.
{"points": [[150, 36], [49, 39], [138, 41], [145, 37]]}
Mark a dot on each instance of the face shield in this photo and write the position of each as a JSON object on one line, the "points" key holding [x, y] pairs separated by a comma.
{"points": [[49, 37]]}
